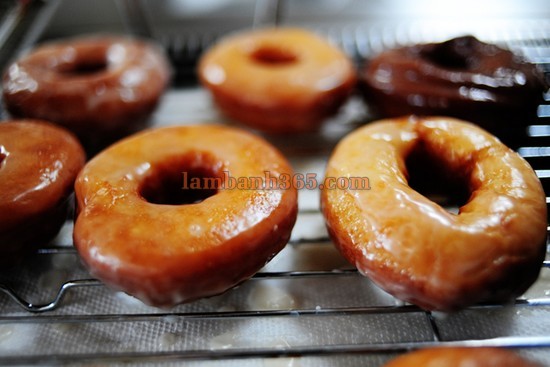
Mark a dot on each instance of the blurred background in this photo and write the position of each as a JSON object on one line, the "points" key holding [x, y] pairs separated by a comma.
{"points": [[362, 27]]}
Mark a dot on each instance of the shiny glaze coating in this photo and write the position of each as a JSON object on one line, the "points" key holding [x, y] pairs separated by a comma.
{"points": [[38, 165], [169, 254], [461, 357], [277, 80], [412, 247], [99, 87], [463, 78]]}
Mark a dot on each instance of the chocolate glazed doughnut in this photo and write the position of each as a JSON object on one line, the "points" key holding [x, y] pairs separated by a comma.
{"points": [[463, 78]]}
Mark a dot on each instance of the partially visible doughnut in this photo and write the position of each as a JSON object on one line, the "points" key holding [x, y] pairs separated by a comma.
{"points": [[279, 80], [138, 229], [461, 357], [462, 77], [99, 87], [492, 250], [38, 166]]}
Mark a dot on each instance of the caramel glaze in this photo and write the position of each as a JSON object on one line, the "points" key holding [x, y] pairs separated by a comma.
{"points": [[460, 357], [101, 87], [463, 78], [492, 250], [39, 164], [281, 80], [134, 238]]}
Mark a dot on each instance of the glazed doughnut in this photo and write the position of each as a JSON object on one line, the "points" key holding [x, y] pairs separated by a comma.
{"points": [[138, 231], [277, 80], [414, 249], [101, 87], [462, 77], [38, 165], [460, 357]]}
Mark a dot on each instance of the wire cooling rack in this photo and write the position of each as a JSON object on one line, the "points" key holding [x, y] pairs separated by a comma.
{"points": [[307, 306]]}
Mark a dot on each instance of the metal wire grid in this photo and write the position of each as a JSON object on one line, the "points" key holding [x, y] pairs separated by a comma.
{"points": [[235, 353], [534, 147], [89, 282]]}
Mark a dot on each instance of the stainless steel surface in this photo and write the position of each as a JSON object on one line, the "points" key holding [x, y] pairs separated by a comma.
{"points": [[308, 307]]}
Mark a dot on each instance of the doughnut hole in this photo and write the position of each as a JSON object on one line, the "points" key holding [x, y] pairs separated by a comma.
{"points": [[432, 177], [182, 180], [273, 56], [84, 65], [458, 53], [3, 155]]}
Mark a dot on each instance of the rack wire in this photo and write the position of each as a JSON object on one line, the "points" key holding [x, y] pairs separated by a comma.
{"points": [[77, 307], [76, 283]]}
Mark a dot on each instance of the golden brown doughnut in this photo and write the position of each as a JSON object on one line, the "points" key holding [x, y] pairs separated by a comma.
{"points": [[38, 165], [461, 357], [462, 77], [415, 249], [101, 87], [279, 80], [139, 231]]}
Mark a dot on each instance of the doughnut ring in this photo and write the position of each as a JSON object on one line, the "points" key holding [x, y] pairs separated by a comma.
{"points": [[413, 248]]}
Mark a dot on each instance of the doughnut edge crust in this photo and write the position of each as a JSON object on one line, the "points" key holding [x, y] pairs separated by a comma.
{"points": [[40, 162], [291, 96], [416, 250], [461, 356], [170, 254]]}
